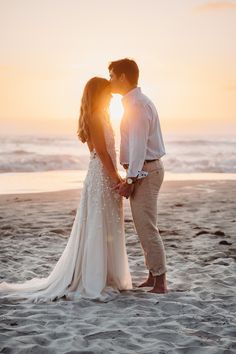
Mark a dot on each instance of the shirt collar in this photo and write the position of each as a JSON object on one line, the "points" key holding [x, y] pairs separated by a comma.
{"points": [[132, 94]]}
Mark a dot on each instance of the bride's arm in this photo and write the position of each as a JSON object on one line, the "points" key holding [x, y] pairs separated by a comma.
{"points": [[98, 140]]}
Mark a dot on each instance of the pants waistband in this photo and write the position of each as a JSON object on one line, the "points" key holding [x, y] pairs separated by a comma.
{"points": [[126, 166]]}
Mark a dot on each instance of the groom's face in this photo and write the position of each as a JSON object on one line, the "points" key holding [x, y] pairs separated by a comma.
{"points": [[116, 83]]}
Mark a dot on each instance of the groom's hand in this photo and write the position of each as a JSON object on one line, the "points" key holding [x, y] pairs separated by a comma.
{"points": [[125, 189]]}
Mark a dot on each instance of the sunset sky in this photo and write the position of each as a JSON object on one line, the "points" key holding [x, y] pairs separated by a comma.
{"points": [[186, 51]]}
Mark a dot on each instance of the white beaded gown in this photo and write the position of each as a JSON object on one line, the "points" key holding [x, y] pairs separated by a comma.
{"points": [[94, 263]]}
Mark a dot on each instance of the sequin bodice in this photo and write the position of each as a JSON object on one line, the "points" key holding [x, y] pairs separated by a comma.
{"points": [[110, 145], [97, 174]]}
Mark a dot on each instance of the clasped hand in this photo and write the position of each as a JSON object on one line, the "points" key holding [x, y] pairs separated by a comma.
{"points": [[124, 189]]}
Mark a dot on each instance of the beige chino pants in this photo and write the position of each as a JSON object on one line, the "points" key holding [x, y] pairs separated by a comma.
{"points": [[143, 204]]}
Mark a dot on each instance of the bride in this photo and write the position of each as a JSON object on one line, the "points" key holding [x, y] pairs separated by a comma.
{"points": [[94, 263]]}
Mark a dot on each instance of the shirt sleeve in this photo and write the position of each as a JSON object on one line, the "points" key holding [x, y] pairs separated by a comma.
{"points": [[139, 124]]}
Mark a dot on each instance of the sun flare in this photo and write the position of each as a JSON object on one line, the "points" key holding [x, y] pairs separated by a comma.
{"points": [[116, 109]]}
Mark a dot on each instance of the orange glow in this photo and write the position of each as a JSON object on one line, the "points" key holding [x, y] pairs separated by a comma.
{"points": [[50, 50], [116, 110]]}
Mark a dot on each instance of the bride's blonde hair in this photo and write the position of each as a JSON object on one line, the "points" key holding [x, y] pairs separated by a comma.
{"points": [[90, 102]]}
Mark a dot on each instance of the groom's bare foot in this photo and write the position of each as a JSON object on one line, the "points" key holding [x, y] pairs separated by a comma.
{"points": [[149, 282], [159, 290], [160, 285]]}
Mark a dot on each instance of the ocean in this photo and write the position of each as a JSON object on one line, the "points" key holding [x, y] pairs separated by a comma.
{"points": [[185, 155], [32, 164]]}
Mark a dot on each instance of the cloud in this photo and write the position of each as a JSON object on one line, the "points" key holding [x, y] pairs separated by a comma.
{"points": [[216, 5]]}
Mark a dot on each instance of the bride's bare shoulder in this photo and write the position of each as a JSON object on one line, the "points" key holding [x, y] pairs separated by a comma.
{"points": [[96, 129], [97, 117], [98, 122]]}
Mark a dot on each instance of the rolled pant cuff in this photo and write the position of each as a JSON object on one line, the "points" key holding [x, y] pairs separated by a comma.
{"points": [[159, 272]]}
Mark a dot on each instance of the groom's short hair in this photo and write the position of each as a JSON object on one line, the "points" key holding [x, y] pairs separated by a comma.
{"points": [[126, 66]]}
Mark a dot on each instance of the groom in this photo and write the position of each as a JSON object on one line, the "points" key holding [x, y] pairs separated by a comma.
{"points": [[141, 150]]}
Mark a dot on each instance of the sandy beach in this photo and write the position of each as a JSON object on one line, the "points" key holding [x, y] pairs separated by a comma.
{"points": [[197, 222]]}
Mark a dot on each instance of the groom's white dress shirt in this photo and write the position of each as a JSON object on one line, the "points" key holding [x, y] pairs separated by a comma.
{"points": [[141, 137]]}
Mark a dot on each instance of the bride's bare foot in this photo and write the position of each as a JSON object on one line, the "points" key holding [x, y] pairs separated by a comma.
{"points": [[149, 282], [160, 285]]}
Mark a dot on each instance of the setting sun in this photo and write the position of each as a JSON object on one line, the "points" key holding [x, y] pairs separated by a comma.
{"points": [[116, 109]]}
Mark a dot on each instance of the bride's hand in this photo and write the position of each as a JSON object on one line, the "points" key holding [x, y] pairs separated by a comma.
{"points": [[117, 182], [118, 179]]}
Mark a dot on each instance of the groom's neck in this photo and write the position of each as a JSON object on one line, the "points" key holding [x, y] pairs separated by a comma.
{"points": [[128, 89]]}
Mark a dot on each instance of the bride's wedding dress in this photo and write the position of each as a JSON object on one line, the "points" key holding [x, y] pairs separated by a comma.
{"points": [[94, 263]]}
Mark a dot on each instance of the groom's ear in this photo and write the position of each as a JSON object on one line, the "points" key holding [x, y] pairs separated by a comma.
{"points": [[122, 77]]}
